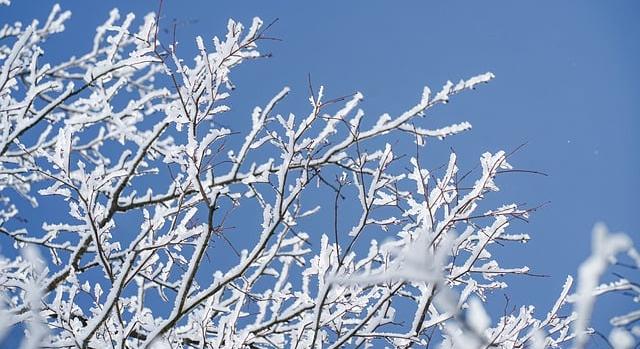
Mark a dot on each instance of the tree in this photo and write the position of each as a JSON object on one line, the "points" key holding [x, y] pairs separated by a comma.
{"points": [[128, 132]]}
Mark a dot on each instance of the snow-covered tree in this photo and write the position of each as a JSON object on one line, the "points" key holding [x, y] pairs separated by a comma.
{"points": [[124, 141]]}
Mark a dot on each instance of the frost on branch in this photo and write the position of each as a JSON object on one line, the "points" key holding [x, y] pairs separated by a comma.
{"points": [[605, 247], [128, 132]]}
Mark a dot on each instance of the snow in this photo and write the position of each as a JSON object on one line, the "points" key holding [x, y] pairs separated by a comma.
{"points": [[621, 339], [159, 162], [604, 247]]}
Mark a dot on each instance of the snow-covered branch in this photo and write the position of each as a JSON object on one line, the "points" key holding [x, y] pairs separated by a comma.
{"points": [[124, 141]]}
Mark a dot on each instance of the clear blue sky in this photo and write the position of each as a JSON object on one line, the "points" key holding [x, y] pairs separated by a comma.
{"points": [[567, 85]]}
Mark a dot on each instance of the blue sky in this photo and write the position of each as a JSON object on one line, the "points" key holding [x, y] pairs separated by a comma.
{"points": [[566, 84]]}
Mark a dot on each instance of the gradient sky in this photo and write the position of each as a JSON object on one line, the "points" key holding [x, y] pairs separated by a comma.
{"points": [[566, 84]]}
